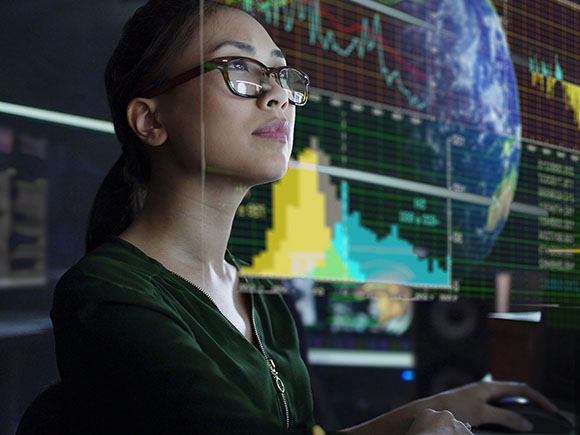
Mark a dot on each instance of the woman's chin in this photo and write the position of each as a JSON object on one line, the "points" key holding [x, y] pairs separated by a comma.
{"points": [[267, 175], [269, 178]]}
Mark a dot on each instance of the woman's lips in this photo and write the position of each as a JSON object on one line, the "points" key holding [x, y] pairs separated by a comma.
{"points": [[278, 129]]}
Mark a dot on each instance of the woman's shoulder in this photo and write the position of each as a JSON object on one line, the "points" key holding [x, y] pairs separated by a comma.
{"points": [[114, 266]]}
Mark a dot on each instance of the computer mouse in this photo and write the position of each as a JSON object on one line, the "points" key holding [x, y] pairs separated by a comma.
{"points": [[544, 421]]}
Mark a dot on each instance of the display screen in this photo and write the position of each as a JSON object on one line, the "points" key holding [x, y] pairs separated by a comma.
{"points": [[439, 150], [438, 153]]}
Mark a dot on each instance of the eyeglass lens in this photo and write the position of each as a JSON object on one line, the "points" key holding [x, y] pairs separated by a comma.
{"points": [[247, 78]]}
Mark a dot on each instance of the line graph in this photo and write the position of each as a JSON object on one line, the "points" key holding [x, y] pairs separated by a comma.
{"points": [[544, 48], [395, 2], [365, 37], [545, 76], [360, 28]]}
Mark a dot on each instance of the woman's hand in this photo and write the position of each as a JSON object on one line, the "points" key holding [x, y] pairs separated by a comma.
{"points": [[412, 421], [454, 411], [470, 403], [429, 421]]}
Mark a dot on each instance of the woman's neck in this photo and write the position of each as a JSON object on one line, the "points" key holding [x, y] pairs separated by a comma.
{"points": [[187, 231], [187, 227]]}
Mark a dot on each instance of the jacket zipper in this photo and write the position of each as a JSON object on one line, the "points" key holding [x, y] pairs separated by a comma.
{"points": [[272, 367], [269, 361]]}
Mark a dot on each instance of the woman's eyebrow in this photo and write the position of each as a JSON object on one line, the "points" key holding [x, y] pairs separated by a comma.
{"points": [[249, 48]]}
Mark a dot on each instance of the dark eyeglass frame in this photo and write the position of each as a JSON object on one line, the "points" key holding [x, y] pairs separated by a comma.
{"points": [[221, 63]]}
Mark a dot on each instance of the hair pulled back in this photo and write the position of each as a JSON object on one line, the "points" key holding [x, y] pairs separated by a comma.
{"points": [[150, 40]]}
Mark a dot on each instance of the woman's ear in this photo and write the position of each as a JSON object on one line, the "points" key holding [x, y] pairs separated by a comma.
{"points": [[142, 119]]}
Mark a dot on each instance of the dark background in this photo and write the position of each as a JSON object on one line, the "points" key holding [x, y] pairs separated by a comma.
{"points": [[53, 53]]}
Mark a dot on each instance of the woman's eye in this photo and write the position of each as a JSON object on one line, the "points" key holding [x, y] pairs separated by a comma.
{"points": [[238, 65]]}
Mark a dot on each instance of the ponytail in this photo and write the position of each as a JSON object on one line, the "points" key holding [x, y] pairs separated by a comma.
{"points": [[117, 203]]}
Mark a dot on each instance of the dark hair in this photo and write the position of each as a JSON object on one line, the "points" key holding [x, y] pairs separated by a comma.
{"points": [[150, 40]]}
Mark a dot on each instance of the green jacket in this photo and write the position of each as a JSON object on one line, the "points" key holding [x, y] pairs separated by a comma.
{"points": [[140, 350]]}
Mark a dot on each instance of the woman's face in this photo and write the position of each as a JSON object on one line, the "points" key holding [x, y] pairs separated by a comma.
{"points": [[235, 142]]}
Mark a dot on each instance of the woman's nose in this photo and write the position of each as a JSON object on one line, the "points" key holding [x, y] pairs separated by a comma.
{"points": [[276, 95]]}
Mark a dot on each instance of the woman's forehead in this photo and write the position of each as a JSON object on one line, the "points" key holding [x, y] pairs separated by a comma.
{"points": [[232, 25], [229, 32]]}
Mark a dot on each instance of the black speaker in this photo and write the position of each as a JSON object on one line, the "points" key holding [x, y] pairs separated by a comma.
{"points": [[451, 344]]}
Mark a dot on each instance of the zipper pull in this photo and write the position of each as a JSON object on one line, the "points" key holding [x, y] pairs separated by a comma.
{"points": [[274, 372]]}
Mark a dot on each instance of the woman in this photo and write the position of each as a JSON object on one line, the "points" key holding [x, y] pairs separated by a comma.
{"points": [[151, 334]]}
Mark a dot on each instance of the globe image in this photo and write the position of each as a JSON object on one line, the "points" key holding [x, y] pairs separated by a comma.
{"points": [[439, 106], [473, 95]]}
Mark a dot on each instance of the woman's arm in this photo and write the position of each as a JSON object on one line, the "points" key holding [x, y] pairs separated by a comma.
{"points": [[412, 419], [468, 404], [471, 403], [412, 422]]}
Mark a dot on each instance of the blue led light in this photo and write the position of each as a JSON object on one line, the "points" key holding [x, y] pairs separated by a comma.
{"points": [[408, 375]]}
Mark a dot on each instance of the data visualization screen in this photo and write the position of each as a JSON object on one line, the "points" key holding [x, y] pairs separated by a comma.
{"points": [[339, 214], [439, 149]]}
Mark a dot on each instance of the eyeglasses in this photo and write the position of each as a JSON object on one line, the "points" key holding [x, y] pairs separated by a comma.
{"points": [[245, 77]]}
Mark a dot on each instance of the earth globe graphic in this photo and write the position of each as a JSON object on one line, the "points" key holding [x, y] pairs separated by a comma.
{"points": [[473, 96]]}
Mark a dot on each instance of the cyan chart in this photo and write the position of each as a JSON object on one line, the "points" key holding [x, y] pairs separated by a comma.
{"points": [[318, 225]]}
